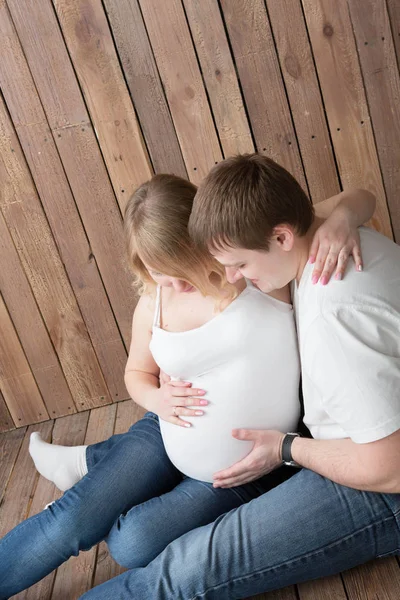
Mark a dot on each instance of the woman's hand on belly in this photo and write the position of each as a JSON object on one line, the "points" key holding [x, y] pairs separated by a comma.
{"points": [[171, 399], [265, 456]]}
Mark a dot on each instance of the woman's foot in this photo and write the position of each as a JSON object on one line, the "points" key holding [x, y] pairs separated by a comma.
{"points": [[63, 465]]}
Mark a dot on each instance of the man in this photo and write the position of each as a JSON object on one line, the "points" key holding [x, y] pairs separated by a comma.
{"points": [[343, 507]]}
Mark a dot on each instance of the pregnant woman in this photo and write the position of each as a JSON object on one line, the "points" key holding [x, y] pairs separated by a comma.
{"points": [[232, 354]]}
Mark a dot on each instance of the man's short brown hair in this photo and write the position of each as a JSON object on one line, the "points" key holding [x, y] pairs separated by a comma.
{"points": [[242, 199]]}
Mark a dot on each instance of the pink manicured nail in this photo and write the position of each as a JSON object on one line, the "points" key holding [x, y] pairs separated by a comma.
{"points": [[314, 279], [359, 268], [338, 276], [311, 260], [203, 402], [200, 393], [198, 412], [324, 280], [188, 425]]}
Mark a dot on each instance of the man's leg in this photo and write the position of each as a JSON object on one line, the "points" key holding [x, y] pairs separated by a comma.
{"points": [[306, 528], [132, 471], [142, 534]]}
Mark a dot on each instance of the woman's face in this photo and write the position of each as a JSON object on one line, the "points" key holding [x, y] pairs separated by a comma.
{"points": [[179, 285]]}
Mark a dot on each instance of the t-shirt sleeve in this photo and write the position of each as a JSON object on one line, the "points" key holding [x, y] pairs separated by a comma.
{"points": [[352, 356]]}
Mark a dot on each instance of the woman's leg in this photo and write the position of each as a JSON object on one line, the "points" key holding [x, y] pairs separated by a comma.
{"points": [[66, 465], [132, 471], [140, 535]]}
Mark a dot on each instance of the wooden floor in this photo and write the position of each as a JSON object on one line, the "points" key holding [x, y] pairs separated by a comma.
{"points": [[23, 493]]}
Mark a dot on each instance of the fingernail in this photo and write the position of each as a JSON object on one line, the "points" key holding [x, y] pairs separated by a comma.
{"points": [[188, 425], [314, 279], [311, 260], [338, 276], [324, 280], [200, 393], [203, 402], [198, 412], [359, 268]]}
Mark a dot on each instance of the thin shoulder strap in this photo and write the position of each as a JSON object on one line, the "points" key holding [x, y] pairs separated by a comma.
{"points": [[157, 311]]}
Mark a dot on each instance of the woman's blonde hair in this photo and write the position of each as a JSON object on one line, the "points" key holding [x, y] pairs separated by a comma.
{"points": [[156, 232]]}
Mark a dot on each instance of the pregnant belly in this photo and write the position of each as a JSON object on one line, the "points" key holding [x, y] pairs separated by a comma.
{"points": [[208, 446]]}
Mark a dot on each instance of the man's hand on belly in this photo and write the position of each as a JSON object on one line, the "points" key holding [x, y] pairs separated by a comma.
{"points": [[263, 458]]}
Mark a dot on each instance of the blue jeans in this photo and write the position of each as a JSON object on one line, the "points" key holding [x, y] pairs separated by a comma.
{"points": [[132, 496], [306, 528]]}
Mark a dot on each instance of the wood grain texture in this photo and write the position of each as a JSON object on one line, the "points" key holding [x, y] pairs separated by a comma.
{"points": [[29, 325], [17, 383], [90, 45], [10, 446], [71, 432], [377, 579], [64, 320], [328, 588], [263, 89], [6, 421], [219, 74], [22, 483], [342, 87], [382, 85], [145, 85], [184, 89], [306, 106], [62, 103]]}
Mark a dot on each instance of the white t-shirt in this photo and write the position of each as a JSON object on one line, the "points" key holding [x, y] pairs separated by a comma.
{"points": [[246, 358], [349, 340]]}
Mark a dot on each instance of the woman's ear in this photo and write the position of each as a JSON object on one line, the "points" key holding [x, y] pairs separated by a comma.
{"points": [[283, 236]]}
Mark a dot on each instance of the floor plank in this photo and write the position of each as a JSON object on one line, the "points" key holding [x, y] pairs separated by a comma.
{"points": [[67, 431], [377, 580]]}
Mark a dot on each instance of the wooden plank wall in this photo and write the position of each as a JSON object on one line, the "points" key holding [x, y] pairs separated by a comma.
{"points": [[97, 95]]}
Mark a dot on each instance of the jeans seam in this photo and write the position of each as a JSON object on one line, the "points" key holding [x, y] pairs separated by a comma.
{"points": [[293, 560]]}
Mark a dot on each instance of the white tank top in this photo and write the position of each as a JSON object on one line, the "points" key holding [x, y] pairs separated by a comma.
{"points": [[247, 361]]}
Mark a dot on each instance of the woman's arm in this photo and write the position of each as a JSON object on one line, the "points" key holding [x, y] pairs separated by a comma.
{"points": [[169, 400], [358, 205], [338, 238]]}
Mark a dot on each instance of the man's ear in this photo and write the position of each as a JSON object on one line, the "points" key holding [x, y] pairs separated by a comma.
{"points": [[283, 236]]}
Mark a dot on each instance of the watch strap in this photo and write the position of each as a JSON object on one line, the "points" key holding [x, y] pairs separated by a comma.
{"points": [[287, 457]]}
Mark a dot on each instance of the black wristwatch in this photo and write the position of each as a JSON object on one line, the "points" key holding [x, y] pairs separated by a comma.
{"points": [[287, 457]]}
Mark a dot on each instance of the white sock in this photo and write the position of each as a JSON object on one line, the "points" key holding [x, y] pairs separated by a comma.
{"points": [[63, 465]]}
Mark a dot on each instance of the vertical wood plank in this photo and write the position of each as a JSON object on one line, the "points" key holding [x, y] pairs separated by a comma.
{"points": [[10, 445], [219, 73], [339, 73], [382, 85], [88, 38], [183, 85], [288, 593], [253, 47], [76, 142], [305, 100], [21, 485], [30, 328], [18, 385], [145, 86], [6, 421], [76, 574], [67, 431], [127, 414], [393, 7], [377, 579], [329, 588], [59, 308]]}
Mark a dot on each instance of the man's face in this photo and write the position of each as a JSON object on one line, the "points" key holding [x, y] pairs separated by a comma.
{"points": [[268, 270]]}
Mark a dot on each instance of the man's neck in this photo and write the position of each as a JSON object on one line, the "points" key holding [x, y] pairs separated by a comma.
{"points": [[303, 247]]}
